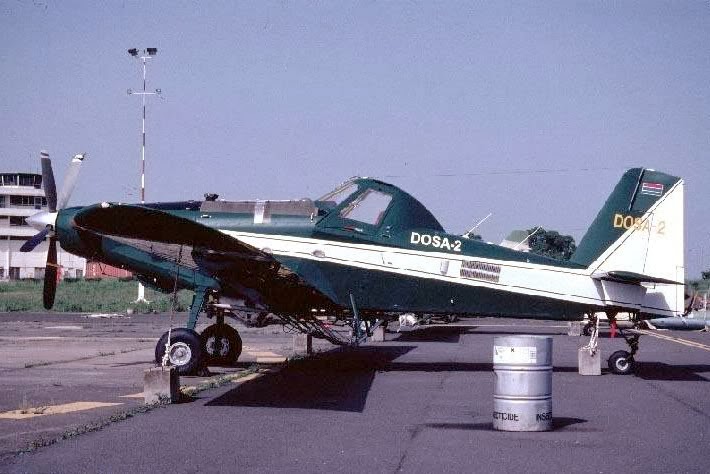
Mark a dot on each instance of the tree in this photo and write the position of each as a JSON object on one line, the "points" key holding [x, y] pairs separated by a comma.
{"points": [[550, 243]]}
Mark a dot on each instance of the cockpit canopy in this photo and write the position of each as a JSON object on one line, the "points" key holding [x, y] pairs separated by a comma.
{"points": [[375, 204]]}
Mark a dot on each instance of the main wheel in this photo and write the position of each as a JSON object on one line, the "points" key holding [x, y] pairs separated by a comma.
{"points": [[228, 340], [185, 351], [621, 362]]}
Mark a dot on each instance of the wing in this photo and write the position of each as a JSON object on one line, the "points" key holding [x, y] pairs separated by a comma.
{"points": [[241, 269]]}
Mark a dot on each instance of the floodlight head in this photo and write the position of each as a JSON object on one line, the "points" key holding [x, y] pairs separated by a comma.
{"points": [[152, 51], [133, 52]]}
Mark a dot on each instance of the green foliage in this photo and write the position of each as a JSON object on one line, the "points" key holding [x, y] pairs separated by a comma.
{"points": [[702, 285], [108, 295], [550, 243]]}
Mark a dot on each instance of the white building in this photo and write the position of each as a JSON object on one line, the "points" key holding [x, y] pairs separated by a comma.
{"points": [[21, 195]]}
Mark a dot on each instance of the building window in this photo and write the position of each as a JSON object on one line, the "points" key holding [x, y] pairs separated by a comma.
{"points": [[14, 273], [9, 179], [22, 201], [17, 221], [28, 201], [30, 180], [2, 201], [79, 273], [2, 272], [39, 273]]}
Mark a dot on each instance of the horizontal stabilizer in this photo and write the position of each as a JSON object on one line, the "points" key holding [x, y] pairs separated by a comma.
{"points": [[632, 278]]}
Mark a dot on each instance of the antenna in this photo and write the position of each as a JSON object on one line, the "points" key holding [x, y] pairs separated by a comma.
{"points": [[467, 234]]}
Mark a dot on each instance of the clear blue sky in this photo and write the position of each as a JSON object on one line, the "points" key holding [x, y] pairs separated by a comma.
{"points": [[529, 110]]}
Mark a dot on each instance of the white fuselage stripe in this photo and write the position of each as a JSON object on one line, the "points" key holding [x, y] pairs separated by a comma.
{"points": [[564, 284]]}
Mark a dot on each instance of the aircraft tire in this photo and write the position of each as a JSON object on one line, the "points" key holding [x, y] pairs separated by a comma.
{"points": [[185, 351], [230, 340], [621, 362]]}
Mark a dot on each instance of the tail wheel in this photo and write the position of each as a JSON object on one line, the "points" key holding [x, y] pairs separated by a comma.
{"points": [[185, 350], [221, 344], [621, 362]]}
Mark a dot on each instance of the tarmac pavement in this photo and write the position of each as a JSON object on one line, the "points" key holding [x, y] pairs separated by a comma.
{"points": [[420, 402], [86, 367]]}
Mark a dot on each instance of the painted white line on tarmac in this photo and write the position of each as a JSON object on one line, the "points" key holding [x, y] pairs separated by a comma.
{"points": [[675, 339], [472, 325], [53, 410]]}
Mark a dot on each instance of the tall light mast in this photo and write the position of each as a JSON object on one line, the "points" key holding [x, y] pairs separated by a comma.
{"points": [[143, 55]]}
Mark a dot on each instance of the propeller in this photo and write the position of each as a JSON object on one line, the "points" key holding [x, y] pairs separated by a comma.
{"points": [[45, 221]]}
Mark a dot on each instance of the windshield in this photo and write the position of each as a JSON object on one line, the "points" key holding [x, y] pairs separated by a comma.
{"points": [[368, 208], [340, 194]]}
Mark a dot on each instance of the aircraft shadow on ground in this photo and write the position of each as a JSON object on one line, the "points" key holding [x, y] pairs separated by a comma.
{"points": [[337, 380], [558, 423], [452, 367], [521, 332], [681, 373], [432, 334]]}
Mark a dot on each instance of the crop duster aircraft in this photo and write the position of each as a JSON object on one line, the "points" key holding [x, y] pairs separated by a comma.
{"points": [[369, 251]]}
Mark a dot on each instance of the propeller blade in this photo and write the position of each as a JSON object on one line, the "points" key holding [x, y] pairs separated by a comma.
{"points": [[50, 275], [50, 189], [70, 180], [35, 240]]}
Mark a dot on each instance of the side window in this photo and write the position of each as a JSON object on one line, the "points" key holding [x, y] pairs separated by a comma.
{"points": [[368, 208]]}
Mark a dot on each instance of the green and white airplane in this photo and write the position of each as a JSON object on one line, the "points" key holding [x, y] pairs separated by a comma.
{"points": [[365, 252]]}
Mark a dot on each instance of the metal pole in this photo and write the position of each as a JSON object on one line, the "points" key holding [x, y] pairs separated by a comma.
{"points": [[141, 288], [143, 146], [146, 54]]}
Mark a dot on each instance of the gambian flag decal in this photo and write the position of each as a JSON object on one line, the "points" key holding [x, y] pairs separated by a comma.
{"points": [[654, 189]]}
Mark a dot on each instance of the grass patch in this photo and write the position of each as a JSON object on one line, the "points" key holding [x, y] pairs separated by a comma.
{"points": [[88, 296]]}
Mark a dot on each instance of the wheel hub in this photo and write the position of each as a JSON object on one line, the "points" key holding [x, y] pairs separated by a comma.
{"points": [[179, 354], [223, 344]]}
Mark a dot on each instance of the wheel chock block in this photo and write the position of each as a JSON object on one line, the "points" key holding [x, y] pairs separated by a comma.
{"points": [[378, 335], [574, 328], [161, 385], [589, 364], [302, 344]]}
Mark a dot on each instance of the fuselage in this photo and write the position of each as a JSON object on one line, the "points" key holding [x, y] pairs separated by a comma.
{"points": [[377, 247]]}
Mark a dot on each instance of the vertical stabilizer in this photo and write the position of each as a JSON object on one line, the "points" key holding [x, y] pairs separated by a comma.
{"points": [[639, 232]]}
